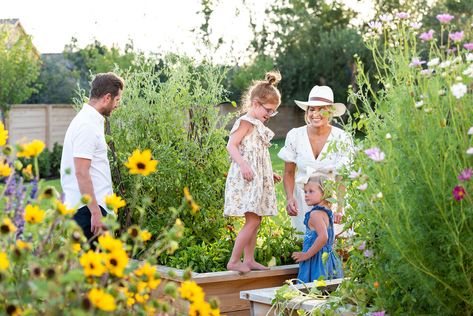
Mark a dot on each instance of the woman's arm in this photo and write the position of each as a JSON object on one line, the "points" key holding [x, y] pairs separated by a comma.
{"points": [[233, 148], [289, 183], [318, 221]]}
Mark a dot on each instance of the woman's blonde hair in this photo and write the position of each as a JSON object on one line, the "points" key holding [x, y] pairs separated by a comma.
{"points": [[263, 91]]}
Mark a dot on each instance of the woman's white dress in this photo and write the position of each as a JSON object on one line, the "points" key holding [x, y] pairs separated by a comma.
{"points": [[336, 154]]}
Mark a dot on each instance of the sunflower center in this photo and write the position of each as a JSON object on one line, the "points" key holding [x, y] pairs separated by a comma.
{"points": [[5, 229], [141, 166], [92, 266], [113, 262]]}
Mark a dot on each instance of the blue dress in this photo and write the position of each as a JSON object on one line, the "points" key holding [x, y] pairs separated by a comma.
{"points": [[311, 269]]}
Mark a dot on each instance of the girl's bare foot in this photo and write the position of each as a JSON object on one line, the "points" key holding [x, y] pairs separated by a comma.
{"points": [[238, 266], [253, 265]]}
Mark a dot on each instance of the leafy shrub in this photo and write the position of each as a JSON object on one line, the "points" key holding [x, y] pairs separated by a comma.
{"points": [[173, 112]]}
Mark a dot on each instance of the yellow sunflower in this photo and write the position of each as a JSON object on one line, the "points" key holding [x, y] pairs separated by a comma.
{"points": [[4, 263], [32, 149], [7, 226], [3, 135], [116, 261], [61, 208], [92, 264], [5, 169], [145, 235], [102, 300], [114, 202], [33, 214], [141, 163], [109, 243], [190, 291]]}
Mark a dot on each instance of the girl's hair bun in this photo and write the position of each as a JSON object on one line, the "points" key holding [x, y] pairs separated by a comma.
{"points": [[273, 77]]}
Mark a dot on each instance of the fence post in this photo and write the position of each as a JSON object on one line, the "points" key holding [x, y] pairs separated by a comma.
{"points": [[48, 132]]}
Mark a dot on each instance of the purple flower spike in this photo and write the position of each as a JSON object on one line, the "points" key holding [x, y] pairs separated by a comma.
{"points": [[456, 36], [459, 193], [375, 154], [427, 36], [445, 18], [468, 46], [465, 175]]}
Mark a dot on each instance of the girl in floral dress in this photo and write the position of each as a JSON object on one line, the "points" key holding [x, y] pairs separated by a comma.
{"points": [[249, 190]]}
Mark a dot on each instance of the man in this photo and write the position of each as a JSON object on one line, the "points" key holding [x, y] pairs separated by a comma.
{"points": [[85, 168]]}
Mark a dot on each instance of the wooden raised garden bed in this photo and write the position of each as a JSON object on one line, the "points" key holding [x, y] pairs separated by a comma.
{"points": [[227, 285], [260, 299]]}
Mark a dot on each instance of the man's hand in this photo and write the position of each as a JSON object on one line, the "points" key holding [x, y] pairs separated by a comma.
{"points": [[96, 224], [291, 207], [299, 256]]}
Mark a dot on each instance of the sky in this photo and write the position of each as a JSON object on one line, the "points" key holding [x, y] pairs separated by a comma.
{"points": [[154, 26]]}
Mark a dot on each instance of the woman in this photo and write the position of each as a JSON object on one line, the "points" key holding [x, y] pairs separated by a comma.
{"points": [[315, 147]]}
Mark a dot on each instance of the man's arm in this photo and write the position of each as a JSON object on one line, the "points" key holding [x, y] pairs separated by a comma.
{"points": [[82, 167]]}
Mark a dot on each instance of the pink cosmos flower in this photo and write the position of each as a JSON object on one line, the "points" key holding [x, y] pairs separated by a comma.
{"points": [[416, 62], [427, 36], [375, 154], [468, 46], [459, 193], [362, 187], [465, 175], [380, 313], [355, 174], [456, 36], [362, 246], [385, 18], [368, 253], [416, 25], [445, 18], [426, 72], [402, 15]]}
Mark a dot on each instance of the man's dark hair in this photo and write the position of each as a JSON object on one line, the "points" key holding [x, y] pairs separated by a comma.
{"points": [[104, 83]]}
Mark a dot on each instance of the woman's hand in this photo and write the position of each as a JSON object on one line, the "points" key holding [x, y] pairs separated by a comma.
{"points": [[299, 256], [337, 217], [291, 207], [277, 178], [246, 172]]}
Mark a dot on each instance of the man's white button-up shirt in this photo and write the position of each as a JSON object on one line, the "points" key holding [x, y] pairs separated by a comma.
{"points": [[85, 138]]}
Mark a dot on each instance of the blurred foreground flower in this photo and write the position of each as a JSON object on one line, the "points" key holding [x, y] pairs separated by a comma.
{"points": [[31, 150], [375, 154], [114, 202]]}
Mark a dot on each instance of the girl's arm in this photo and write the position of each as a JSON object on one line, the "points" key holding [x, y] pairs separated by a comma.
{"points": [[318, 221], [289, 182], [233, 145]]}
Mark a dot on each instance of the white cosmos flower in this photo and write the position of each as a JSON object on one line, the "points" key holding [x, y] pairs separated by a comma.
{"points": [[419, 104], [388, 136], [458, 90], [433, 62], [470, 131], [364, 186], [469, 57], [469, 152]]}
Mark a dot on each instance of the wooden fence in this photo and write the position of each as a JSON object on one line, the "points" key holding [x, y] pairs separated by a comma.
{"points": [[46, 122], [49, 122]]}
